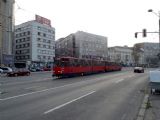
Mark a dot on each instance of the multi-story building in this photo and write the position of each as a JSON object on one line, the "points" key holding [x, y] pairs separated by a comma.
{"points": [[35, 42], [82, 45], [6, 31], [121, 54], [146, 52]]}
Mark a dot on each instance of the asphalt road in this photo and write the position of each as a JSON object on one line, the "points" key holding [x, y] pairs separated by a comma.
{"points": [[105, 96]]}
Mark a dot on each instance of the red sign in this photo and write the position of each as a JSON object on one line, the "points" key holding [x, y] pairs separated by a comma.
{"points": [[43, 20]]}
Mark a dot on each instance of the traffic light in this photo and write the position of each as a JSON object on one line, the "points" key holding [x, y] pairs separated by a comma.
{"points": [[144, 32], [136, 34]]}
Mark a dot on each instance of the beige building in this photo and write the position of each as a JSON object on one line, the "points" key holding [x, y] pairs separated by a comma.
{"points": [[6, 31], [146, 53], [121, 54]]}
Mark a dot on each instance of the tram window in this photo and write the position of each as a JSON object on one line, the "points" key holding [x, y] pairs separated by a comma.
{"points": [[64, 59], [64, 64], [75, 62], [57, 63], [87, 62]]}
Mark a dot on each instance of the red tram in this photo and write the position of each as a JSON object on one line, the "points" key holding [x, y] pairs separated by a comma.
{"points": [[69, 66]]}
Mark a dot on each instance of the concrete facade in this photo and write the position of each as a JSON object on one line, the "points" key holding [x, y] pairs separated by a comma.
{"points": [[34, 43], [6, 31], [83, 45]]}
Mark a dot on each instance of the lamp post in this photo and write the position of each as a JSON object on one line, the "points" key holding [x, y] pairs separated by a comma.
{"points": [[158, 15]]}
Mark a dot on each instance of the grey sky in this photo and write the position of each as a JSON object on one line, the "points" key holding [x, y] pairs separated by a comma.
{"points": [[116, 19]]}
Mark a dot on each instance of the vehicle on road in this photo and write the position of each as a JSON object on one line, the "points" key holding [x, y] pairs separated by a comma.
{"points": [[6, 69], [69, 66], [139, 70], [19, 72], [154, 81], [1, 71], [47, 69], [39, 69], [32, 69]]}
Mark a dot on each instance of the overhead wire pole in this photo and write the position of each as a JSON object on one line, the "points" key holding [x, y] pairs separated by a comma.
{"points": [[158, 15]]}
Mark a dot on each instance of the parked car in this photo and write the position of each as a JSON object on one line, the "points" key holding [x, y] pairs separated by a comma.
{"points": [[19, 72], [1, 71], [6, 69], [139, 70], [32, 69], [47, 69], [39, 69]]}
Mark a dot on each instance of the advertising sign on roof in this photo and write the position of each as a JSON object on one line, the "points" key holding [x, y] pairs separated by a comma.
{"points": [[43, 20]]}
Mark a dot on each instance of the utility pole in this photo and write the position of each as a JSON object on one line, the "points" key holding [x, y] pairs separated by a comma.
{"points": [[158, 15]]}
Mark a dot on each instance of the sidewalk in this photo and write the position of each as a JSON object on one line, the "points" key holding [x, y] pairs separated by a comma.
{"points": [[153, 113]]}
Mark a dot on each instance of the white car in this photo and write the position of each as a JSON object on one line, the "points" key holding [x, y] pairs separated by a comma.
{"points": [[6, 69], [1, 71]]}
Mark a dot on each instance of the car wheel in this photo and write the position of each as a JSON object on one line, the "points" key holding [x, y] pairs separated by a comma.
{"points": [[28, 74], [15, 75]]}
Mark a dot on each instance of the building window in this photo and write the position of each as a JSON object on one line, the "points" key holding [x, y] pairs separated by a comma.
{"points": [[28, 32], [20, 34], [39, 45], [44, 35], [48, 41], [39, 33], [44, 40], [39, 57], [44, 46], [24, 33], [19, 29], [38, 39], [28, 44], [39, 28], [28, 38], [24, 39]]}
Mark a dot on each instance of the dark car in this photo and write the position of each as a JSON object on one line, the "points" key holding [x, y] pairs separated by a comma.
{"points": [[139, 70], [47, 69], [39, 69], [19, 72]]}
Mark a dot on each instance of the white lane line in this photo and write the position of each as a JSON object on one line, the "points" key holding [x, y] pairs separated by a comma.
{"points": [[32, 87], [131, 76], [21, 95], [60, 106], [119, 81]]}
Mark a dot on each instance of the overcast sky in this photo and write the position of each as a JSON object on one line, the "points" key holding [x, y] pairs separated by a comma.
{"points": [[118, 20]]}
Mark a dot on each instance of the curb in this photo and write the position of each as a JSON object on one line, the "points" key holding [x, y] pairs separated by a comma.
{"points": [[41, 72], [142, 110]]}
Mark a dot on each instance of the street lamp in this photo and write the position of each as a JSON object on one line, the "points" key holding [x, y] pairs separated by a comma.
{"points": [[158, 15]]}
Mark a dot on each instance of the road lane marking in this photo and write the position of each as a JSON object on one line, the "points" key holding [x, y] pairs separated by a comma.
{"points": [[21, 95], [60, 106], [119, 81], [32, 87], [131, 76]]}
